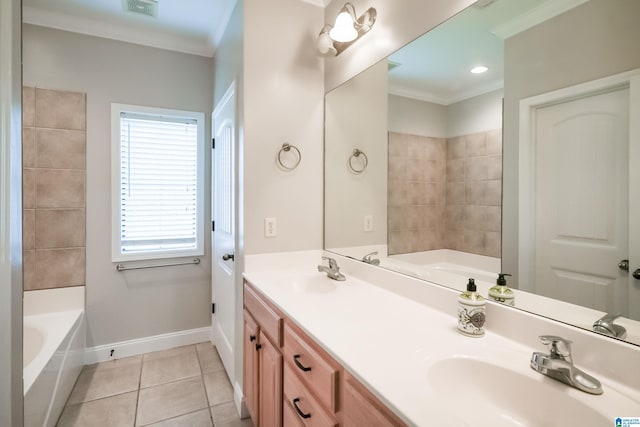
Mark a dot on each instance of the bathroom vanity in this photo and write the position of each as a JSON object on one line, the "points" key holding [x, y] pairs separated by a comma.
{"points": [[383, 350]]}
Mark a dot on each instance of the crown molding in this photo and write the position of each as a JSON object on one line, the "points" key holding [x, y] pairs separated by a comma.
{"points": [[535, 16], [320, 3], [217, 31], [109, 30], [435, 99]]}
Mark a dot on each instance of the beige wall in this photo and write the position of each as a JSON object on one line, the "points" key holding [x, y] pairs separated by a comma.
{"points": [[283, 102], [594, 40], [415, 117], [140, 303], [356, 117], [54, 172], [478, 114]]}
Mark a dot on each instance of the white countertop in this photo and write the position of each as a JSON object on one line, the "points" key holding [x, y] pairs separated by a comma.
{"points": [[390, 343]]}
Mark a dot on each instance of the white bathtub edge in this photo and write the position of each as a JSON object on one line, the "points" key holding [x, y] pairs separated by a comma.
{"points": [[134, 347], [43, 301]]}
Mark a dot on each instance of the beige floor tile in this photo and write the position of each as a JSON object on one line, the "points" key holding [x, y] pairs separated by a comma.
{"points": [[225, 415], [106, 379], [209, 358], [218, 387], [169, 366], [200, 418], [170, 400], [176, 351], [116, 411]]}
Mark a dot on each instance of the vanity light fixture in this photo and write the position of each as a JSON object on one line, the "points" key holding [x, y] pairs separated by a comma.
{"points": [[348, 28], [479, 69]]}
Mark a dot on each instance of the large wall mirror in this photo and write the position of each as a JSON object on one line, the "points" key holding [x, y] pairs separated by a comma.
{"points": [[444, 171]]}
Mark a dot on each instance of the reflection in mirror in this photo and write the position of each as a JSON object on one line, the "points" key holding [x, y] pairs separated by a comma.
{"points": [[450, 193]]}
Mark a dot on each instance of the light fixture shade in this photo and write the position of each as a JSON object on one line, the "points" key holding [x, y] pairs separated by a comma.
{"points": [[343, 30], [325, 44]]}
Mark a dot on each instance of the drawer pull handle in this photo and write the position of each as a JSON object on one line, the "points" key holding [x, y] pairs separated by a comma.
{"points": [[300, 365], [252, 338], [297, 408]]}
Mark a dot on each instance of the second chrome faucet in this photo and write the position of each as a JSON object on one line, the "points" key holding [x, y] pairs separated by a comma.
{"points": [[333, 271]]}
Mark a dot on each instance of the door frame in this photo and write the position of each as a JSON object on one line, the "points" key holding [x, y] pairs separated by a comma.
{"points": [[526, 159]]}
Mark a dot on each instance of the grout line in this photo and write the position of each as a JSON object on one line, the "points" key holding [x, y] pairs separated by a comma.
{"points": [[135, 414]]}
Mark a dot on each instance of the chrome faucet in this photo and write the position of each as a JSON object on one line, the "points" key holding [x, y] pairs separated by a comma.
{"points": [[333, 271], [559, 365], [369, 260], [605, 326]]}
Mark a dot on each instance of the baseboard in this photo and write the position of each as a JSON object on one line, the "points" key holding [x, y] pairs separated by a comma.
{"points": [[238, 400], [118, 350]]}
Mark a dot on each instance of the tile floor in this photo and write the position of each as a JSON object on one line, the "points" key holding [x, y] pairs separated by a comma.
{"points": [[184, 386]]}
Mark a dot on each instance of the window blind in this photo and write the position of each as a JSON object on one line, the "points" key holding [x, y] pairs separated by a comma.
{"points": [[158, 183]]}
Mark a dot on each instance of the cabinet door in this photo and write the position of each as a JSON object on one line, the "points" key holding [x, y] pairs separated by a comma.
{"points": [[251, 371], [362, 408], [270, 384]]}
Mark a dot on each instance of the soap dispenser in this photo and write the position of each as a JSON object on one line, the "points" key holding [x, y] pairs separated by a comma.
{"points": [[501, 292], [471, 311]]}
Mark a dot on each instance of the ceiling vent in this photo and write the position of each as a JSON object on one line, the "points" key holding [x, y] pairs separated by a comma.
{"points": [[142, 7]]}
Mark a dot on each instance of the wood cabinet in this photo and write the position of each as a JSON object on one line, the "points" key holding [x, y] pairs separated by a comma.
{"points": [[290, 381]]}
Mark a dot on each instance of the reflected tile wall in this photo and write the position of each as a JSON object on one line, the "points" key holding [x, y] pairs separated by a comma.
{"points": [[54, 179], [416, 186], [474, 193], [445, 193]]}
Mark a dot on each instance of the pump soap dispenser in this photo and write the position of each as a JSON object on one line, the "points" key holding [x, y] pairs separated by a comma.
{"points": [[501, 292], [471, 311]]}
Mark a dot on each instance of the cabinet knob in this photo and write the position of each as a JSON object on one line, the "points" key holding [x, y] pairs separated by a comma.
{"points": [[252, 338], [298, 410], [258, 347]]}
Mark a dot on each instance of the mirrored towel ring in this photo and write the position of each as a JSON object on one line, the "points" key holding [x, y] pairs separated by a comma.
{"points": [[286, 163], [360, 165]]}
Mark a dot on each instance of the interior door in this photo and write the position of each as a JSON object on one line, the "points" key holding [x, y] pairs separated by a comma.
{"points": [[582, 201], [223, 232]]}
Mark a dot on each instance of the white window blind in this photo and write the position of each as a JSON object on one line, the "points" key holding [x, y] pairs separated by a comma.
{"points": [[158, 194]]}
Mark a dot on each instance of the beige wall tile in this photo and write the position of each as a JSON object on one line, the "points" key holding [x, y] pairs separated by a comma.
{"points": [[474, 192], [476, 144], [474, 241], [60, 110], [28, 188], [456, 147], [28, 147], [455, 170], [29, 270], [28, 229], [435, 149], [415, 170], [434, 193], [399, 242], [397, 168], [61, 149], [397, 218], [28, 106], [417, 147], [493, 195], [60, 188], [455, 240], [433, 171], [494, 167], [414, 217], [476, 168], [60, 267], [493, 244], [494, 218], [415, 193], [397, 193], [475, 218], [455, 193], [60, 228], [455, 217], [494, 141]]}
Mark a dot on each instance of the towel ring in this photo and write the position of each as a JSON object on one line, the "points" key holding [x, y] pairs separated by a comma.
{"points": [[355, 155], [285, 149]]}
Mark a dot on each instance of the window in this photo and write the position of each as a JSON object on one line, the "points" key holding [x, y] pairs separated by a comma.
{"points": [[157, 183]]}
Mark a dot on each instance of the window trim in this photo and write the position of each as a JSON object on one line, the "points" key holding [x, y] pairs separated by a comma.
{"points": [[116, 254]]}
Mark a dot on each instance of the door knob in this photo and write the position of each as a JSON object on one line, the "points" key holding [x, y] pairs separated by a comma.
{"points": [[227, 257], [636, 274], [624, 265]]}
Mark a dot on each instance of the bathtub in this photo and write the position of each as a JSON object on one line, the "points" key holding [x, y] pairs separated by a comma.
{"points": [[53, 356]]}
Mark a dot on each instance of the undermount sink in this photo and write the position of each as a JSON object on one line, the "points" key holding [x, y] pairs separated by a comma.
{"points": [[481, 393], [318, 284]]}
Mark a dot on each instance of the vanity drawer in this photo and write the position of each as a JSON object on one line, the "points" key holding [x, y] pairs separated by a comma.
{"points": [[269, 320], [318, 372], [302, 403]]}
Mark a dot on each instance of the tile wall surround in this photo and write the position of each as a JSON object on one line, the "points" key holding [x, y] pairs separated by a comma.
{"points": [[54, 176], [445, 193]]}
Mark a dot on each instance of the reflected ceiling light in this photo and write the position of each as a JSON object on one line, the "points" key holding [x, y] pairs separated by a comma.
{"points": [[346, 29], [479, 69]]}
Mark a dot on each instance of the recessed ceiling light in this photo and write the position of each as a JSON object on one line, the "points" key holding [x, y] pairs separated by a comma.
{"points": [[479, 69]]}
